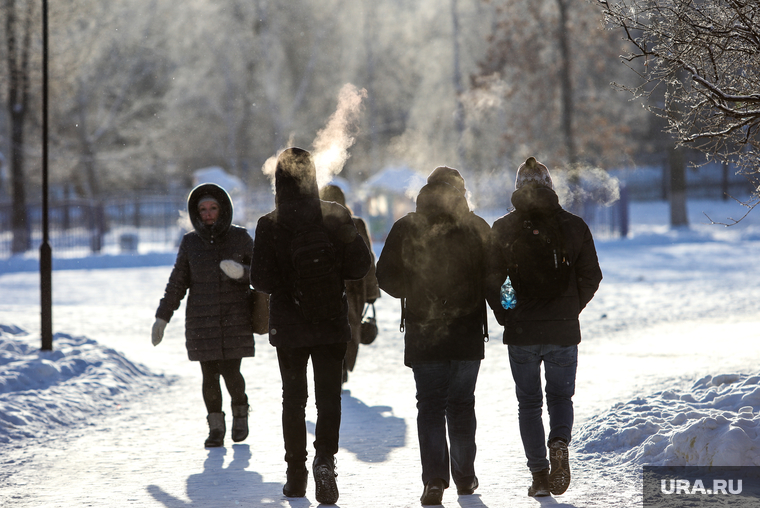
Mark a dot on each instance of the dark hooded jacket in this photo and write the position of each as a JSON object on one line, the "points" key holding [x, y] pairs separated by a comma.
{"points": [[435, 260], [543, 320], [218, 314], [297, 203]]}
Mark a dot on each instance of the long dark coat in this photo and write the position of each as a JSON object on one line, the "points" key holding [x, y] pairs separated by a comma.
{"points": [[297, 203], [359, 292], [218, 312], [459, 335], [543, 320]]}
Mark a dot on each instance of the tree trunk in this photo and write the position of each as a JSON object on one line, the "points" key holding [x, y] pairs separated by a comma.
{"points": [[458, 89], [566, 83], [677, 164], [18, 100]]}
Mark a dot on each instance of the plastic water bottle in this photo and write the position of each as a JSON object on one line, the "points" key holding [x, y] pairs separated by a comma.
{"points": [[508, 300]]}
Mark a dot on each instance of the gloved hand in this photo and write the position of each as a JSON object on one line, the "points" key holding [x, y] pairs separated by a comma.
{"points": [[232, 269], [158, 331]]}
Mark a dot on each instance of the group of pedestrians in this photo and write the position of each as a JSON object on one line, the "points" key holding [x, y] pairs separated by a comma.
{"points": [[445, 264]]}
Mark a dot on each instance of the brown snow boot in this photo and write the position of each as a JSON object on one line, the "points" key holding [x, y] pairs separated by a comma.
{"points": [[559, 478], [216, 430], [240, 422]]}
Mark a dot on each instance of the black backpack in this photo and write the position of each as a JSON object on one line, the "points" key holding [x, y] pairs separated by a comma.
{"points": [[318, 288], [540, 262], [444, 264]]}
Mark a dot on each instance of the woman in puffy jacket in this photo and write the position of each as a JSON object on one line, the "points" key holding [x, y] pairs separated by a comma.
{"points": [[213, 264]]}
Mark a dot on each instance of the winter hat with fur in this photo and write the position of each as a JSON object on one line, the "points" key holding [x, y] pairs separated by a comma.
{"points": [[447, 175], [532, 172]]}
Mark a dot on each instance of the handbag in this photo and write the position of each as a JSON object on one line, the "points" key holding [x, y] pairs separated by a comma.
{"points": [[259, 312], [369, 325]]}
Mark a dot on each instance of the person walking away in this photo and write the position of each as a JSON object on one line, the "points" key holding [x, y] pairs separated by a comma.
{"points": [[212, 264], [434, 260], [549, 256], [360, 292], [303, 252]]}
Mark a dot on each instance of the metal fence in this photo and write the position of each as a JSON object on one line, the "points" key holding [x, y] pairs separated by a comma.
{"points": [[144, 223], [82, 226]]}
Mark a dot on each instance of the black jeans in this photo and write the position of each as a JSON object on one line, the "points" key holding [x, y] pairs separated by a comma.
{"points": [[212, 390], [327, 362]]}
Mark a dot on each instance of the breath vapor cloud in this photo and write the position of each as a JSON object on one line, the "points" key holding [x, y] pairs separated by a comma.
{"points": [[330, 147]]}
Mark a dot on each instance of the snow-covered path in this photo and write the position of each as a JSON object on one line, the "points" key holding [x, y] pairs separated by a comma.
{"points": [[668, 313]]}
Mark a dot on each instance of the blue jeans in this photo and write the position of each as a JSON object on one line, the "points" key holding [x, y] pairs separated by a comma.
{"points": [[446, 396], [560, 365]]}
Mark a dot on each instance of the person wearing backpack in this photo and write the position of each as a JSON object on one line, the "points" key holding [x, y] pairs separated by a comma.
{"points": [[360, 292], [434, 260], [303, 252], [549, 256], [211, 267]]}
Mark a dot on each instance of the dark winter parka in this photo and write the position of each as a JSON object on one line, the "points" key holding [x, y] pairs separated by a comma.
{"points": [[543, 320], [297, 203], [442, 242], [218, 313]]}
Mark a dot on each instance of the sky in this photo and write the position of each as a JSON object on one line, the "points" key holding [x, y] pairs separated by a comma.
{"points": [[668, 375]]}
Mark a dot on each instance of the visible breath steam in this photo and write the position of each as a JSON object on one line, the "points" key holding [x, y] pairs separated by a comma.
{"points": [[332, 143], [330, 147]]}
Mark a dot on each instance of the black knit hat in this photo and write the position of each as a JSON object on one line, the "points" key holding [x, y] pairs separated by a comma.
{"points": [[295, 176], [447, 175]]}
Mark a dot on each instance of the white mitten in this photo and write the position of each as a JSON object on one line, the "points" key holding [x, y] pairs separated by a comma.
{"points": [[232, 269], [158, 331]]}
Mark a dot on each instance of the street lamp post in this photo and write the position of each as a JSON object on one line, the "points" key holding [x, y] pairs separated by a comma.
{"points": [[46, 253]]}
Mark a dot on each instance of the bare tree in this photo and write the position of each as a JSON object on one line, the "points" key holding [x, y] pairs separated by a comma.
{"points": [[18, 37], [544, 85], [704, 55], [109, 93]]}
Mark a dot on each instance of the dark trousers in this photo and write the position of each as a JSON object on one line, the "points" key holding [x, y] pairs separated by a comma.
{"points": [[327, 363], [212, 390], [446, 397]]}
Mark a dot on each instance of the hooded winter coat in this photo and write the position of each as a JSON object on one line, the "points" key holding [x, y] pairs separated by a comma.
{"points": [[435, 260], [218, 312], [543, 320], [297, 203]]}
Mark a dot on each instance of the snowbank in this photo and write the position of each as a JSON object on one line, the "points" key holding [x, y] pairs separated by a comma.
{"points": [[713, 423], [42, 391]]}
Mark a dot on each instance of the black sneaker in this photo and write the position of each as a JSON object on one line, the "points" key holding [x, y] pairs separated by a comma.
{"points": [[295, 486], [324, 480], [540, 487], [433, 493], [559, 478], [468, 488]]}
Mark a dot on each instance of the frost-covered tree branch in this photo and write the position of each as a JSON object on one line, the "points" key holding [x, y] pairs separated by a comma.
{"points": [[706, 56]]}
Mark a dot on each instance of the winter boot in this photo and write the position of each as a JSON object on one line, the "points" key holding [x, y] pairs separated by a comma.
{"points": [[540, 487], [559, 478], [324, 479], [216, 430], [240, 422], [295, 486], [433, 492]]}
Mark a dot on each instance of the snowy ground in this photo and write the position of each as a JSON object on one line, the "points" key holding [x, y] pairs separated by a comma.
{"points": [[668, 374]]}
